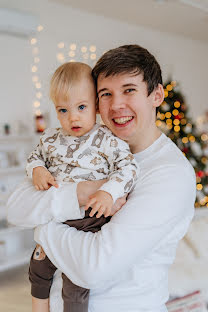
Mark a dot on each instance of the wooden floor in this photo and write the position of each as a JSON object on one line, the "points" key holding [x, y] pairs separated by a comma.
{"points": [[15, 291]]}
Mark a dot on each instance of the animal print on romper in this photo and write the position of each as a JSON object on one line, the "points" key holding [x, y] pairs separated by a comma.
{"points": [[71, 149], [98, 138], [52, 139]]}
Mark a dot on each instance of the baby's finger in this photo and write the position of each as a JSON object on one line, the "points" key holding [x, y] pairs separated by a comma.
{"points": [[90, 203], [37, 187], [45, 185], [53, 182], [41, 188], [100, 212], [95, 208]]}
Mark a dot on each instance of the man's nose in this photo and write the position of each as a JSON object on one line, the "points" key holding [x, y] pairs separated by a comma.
{"points": [[117, 102]]}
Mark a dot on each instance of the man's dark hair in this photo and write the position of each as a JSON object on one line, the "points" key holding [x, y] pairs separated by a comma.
{"points": [[131, 59]]}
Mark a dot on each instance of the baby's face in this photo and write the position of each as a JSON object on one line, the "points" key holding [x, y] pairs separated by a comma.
{"points": [[78, 115]]}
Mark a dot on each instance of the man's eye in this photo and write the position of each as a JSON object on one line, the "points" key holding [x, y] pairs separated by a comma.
{"points": [[81, 107], [62, 110], [129, 90], [105, 94]]}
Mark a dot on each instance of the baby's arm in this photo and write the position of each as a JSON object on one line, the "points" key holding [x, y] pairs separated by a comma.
{"points": [[122, 179], [36, 166], [43, 179]]}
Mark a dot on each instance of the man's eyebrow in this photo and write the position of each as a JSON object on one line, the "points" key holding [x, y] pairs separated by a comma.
{"points": [[129, 85], [101, 90]]}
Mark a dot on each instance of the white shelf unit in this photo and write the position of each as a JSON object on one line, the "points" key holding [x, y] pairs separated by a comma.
{"points": [[16, 244]]}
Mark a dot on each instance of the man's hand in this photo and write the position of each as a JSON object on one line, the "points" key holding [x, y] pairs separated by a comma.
{"points": [[87, 188], [101, 202], [43, 179]]}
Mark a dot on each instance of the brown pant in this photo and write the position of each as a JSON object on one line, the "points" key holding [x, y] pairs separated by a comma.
{"points": [[41, 271]]}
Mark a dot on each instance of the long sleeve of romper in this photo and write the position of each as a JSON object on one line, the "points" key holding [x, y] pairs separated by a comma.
{"points": [[38, 157], [149, 218], [124, 170]]}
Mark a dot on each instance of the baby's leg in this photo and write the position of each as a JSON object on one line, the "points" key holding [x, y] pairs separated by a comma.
{"points": [[41, 273], [75, 298], [40, 305]]}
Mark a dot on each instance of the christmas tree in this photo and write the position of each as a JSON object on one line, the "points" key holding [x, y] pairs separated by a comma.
{"points": [[173, 119]]}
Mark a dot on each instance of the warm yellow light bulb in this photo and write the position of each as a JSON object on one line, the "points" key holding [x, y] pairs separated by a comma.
{"points": [[168, 115], [61, 45], [204, 160], [92, 48], [177, 104], [71, 53], [176, 122], [158, 123], [183, 121], [165, 93], [162, 116], [192, 138], [84, 49], [34, 69], [185, 140], [36, 103], [33, 41], [175, 112], [38, 85], [73, 46], [40, 28], [93, 56], [169, 87], [204, 137], [199, 187], [177, 128]]}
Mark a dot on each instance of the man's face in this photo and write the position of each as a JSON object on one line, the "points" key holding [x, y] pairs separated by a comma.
{"points": [[77, 116], [125, 107]]}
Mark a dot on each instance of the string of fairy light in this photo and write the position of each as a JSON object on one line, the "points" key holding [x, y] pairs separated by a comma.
{"points": [[175, 122], [73, 52], [35, 76], [66, 52]]}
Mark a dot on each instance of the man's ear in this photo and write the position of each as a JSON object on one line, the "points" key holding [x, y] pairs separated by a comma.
{"points": [[158, 96]]}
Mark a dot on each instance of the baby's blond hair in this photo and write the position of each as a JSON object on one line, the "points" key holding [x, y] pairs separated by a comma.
{"points": [[65, 77]]}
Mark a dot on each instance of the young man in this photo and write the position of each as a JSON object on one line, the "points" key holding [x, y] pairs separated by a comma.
{"points": [[126, 263]]}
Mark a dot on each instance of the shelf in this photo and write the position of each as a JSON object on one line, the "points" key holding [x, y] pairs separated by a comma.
{"points": [[12, 138], [12, 170], [17, 260]]}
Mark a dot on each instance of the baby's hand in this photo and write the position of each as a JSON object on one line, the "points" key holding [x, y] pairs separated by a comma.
{"points": [[101, 202], [43, 179]]}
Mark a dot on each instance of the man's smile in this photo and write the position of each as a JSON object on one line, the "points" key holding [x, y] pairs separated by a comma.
{"points": [[122, 121]]}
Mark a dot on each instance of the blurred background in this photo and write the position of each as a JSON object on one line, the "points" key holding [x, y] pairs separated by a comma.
{"points": [[38, 36]]}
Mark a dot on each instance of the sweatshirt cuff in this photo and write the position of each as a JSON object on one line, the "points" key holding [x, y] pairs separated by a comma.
{"points": [[65, 205], [114, 188], [30, 167]]}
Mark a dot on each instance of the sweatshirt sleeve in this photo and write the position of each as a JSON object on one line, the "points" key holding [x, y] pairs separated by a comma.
{"points": [[27, 207], [124, 170], [90, 260]]}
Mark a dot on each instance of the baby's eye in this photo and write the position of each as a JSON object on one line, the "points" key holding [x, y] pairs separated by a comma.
{"points": [[81, 107], [62, 110]]}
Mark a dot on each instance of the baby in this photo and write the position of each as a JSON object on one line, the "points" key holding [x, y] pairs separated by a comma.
{"points": [[80, 150]]}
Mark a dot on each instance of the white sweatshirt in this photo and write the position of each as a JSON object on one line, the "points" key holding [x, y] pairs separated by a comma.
{"points": [[125, 265]]}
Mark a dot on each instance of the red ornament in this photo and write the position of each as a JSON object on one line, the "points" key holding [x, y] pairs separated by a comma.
{"points": [[185, 150], [177, 117], [200, 174]]}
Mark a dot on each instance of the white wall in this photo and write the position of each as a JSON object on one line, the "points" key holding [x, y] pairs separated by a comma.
{"points": [[184, 59]]}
